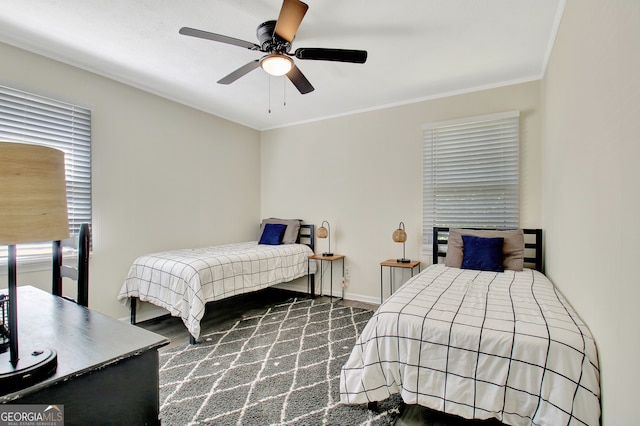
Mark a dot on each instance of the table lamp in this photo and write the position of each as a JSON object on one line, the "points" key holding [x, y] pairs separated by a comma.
{"points": [[33, 208], [400, 236], [325, 233]]}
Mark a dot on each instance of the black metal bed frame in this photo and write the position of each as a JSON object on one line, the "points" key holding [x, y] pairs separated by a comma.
{"points": [[306, 236]]}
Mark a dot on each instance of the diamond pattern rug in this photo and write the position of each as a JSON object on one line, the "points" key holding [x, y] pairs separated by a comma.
{"points": [[278, 367]]}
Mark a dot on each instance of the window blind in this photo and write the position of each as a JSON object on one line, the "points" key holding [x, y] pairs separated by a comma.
{"points": [[471, 173], [29, 118]]}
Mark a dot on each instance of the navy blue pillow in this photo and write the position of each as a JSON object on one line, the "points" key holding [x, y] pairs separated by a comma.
{"points": [[484, 254], [272, 234]]}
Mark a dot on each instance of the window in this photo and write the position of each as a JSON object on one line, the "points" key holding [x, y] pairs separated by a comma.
{"points": [[471, 175], [29, 118]]}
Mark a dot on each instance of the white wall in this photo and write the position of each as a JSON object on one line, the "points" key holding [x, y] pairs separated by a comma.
{"points": [[164, 175], [591, 201], [363, 174]]}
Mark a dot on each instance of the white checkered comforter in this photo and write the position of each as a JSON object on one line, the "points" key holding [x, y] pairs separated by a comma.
{"points": [[479, 345], [183, 281]]}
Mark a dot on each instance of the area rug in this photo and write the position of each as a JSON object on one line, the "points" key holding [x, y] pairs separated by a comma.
{"points": [[280, 366]]}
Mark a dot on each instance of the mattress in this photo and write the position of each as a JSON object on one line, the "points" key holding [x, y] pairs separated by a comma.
{"points": [[479, 345], [184, 281]]}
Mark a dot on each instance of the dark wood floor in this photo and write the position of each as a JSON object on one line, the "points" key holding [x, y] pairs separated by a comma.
{"points": [[223, 312], [230, 310]]}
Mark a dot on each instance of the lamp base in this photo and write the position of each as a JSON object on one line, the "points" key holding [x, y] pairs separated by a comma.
{"points": [[403, 260], [32, 368], [327, 254]]}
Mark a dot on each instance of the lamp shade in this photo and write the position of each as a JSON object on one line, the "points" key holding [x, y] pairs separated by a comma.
{"points": [[322, 232], [399, 236], [33, 195]]}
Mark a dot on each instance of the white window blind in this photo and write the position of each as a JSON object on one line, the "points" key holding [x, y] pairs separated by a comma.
{"points": [[29, 118], [471, 173]]}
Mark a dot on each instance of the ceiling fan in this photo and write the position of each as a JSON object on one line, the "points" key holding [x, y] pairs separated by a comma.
{"points": [[275, 40]]}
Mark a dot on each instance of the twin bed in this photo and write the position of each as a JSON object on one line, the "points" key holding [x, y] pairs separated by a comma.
{"points": [[184, 281], [495, 341]]}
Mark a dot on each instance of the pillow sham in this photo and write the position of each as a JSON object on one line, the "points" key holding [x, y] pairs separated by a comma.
{"points": [[292, 232], [484, 254], [272, 234], [512, 249]]}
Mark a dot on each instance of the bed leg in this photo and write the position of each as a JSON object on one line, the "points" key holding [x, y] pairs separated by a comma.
{"points": [[192, 340], [312, 285], [372, 405], [133, 310]]}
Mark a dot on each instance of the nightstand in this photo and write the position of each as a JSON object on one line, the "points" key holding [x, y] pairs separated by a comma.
{"points": [[329, 259], [393, 263]]}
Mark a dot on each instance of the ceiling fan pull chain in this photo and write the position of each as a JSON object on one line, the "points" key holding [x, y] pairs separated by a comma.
{"points": [[269, 78], [284, 91]]}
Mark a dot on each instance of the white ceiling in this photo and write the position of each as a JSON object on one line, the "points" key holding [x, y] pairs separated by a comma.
{"points": [[417, 49]]}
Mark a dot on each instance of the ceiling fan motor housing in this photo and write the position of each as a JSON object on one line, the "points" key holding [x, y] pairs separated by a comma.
{"points": [[269, 41]]}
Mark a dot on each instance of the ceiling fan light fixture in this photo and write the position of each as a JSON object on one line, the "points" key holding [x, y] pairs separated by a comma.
{"points": [[276, 64]]}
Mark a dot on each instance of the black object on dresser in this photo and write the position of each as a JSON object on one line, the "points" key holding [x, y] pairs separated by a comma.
{"points": [[107, 369]]}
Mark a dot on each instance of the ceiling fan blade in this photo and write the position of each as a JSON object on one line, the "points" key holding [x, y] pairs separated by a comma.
{"points": [[339, 55], [290, 17], [218, 37], [300, 81], [245, 69]]}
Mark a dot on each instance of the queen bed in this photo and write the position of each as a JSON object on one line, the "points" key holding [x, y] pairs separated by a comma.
{"points": [[481, 336], [184, 281]]}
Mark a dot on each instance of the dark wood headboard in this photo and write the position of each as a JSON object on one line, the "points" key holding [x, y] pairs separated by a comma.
{"points": [[307, 236], [532, 246]]}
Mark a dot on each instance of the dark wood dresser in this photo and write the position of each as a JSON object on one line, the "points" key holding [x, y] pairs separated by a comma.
{"points": [[107, 369]]}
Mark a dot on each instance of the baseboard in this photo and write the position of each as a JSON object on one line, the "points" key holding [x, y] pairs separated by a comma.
{"points": [[373, 300], [337, 292]]}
